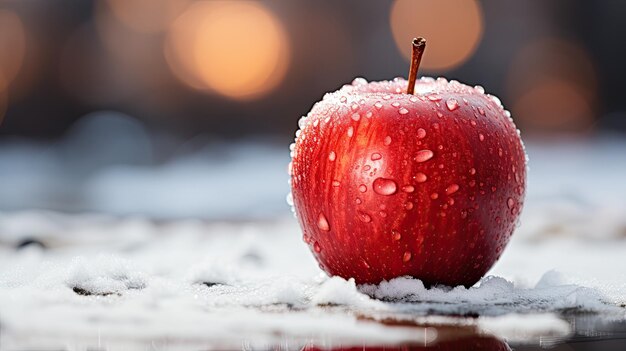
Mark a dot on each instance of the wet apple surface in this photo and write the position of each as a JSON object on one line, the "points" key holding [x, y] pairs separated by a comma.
{"points": [[388, 184]]}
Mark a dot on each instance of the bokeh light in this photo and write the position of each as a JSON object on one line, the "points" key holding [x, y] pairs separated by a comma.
{"points": [[147, 16], [553, 86], [555, 105], [237, 49], [137, 55], [3, 97], [452, 28], [12, 45]]}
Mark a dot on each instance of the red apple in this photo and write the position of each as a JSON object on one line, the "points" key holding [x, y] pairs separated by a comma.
{"points": [[388, 184]]}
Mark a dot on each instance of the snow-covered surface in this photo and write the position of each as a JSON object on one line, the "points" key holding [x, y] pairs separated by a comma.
{"points": [[120, 282]]}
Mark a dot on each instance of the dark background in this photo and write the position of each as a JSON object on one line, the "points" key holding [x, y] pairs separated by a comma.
{"points": [[557, 65]]}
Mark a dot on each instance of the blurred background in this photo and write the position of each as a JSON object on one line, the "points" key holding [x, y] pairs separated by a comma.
{"points": [[182, 108]]}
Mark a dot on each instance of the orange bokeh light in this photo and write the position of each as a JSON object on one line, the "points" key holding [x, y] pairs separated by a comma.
{"points": [[552, 58], [12, 45], [554, 105], [3, 97], [452, 28], [553, 86], [146, 16], [237, 49]]}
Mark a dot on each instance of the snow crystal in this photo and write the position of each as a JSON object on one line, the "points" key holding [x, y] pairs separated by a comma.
{"points": [[103, 275], [339, 291]]}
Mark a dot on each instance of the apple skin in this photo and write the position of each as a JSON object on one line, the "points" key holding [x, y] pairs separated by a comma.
{"points": [[387, 184]]}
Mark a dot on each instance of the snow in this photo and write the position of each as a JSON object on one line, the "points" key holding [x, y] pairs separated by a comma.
{"points": [[118, 279]]}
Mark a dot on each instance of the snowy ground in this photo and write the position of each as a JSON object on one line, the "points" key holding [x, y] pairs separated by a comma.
{"points": [[121, 281]]}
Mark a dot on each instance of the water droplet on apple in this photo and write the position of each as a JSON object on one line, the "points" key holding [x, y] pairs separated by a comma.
{"points": [[368, 114], [365, 264], [510, 203], [322, 223], [378, 105], [332, 156], [376, 156], [355, 117], [359, 81], [362, 188], [384, 186], [408, 205], [387, 140], [473, 123], [403, 111], [354, 107], [395, 235], [395, 104], [481, 110], [434, 97], [472, 171], [495, 100], [302, 122], [317, 247], [336, 183], [350, 131], [358, 201], [382, 214], [434, 196], [408, 188], [452, 104], [481, 137], [423, 155], [421, 133], [479, 89], [406, 257], [420, 177], [343, 99], [413, 99], [451, 189], [290, 199], [364, 217], [387, 97]]}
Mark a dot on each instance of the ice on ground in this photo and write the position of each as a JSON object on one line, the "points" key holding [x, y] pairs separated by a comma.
{"points": [[524, 327]]}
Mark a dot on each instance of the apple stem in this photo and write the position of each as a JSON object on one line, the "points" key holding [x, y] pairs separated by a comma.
{"points": [[419, 44]]}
